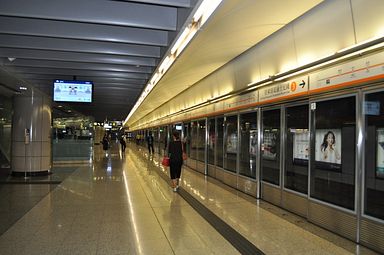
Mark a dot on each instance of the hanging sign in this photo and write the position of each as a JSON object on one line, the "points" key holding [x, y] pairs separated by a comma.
{"points": [[353, 72], [242, 100]]}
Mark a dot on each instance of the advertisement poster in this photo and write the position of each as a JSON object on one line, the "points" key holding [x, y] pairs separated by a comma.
{"points": [[380, 153], [328, 149], [253, 142], [270, 144], [300, 146], [232, 143]]}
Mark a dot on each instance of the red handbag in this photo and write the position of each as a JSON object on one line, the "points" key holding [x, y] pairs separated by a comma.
{"points": [[185, 157], [165, 161]]}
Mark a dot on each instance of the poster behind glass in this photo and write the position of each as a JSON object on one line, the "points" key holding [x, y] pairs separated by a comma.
{"points": [[270, 144], [232, 143], [300, 146], [328, 149], [253, 142], [380, 153]]}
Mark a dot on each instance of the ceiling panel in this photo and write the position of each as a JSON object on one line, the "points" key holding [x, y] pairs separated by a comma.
{"points": [[85, 46], [115, 44], [118, 44], [128, 14]]}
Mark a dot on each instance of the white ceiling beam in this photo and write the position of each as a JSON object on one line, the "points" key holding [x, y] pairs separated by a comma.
{"points": [[85, 46], [20, 63], [76, 57], [94, 11], [82, 31]]}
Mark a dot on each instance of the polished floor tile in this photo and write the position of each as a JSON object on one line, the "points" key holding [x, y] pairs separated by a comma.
{"points": [[123, 204], [118, 205]]}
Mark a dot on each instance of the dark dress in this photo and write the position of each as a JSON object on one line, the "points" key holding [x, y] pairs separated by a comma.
{"points": [[123, 144], [175, 152], [105, 144]]}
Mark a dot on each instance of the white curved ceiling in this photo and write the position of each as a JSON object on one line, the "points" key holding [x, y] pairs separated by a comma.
{"points": [[236, 26], [118, 45]]}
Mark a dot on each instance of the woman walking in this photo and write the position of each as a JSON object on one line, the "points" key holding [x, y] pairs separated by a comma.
{"points": [[175, 153]]}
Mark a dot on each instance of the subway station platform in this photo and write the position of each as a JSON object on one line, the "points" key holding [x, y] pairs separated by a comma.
{"points": [[123, 204]]}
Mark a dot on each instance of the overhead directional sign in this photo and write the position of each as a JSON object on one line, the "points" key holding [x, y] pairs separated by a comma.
{"points": [[284, 89], [366, 69]]}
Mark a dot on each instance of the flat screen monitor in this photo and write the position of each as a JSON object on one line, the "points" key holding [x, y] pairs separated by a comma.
{"points": [[72, 91]]}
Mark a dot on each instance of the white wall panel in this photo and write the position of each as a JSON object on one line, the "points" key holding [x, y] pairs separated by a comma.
{"points": [[369, 18], [277, 53], [323, 31], [225, 78], [247, 68]]}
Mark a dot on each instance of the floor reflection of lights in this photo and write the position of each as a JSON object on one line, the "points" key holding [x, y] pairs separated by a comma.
{"points": [[132, 215]]}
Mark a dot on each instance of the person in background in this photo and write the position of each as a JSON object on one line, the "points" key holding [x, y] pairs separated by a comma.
{"points": [[123, 143], [175, 154], [150, 143], [105, 143]]}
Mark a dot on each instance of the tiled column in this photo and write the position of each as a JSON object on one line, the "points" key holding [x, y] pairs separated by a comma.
{"points": [[32, 114]]}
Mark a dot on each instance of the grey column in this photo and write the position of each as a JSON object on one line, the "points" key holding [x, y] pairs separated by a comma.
{"points": [[32, 113]]}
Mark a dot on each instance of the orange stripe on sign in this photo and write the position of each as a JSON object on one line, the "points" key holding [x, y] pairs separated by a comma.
{"points": [[354, 71], [314, 91]]}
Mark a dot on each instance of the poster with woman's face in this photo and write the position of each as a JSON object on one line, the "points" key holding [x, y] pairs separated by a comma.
{"points": [[328, 146], [380, 153]]}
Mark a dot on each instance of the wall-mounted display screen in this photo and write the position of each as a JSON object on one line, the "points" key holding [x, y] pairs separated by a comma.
{"points": [[72, 91], [380, 153], [328, 149]]}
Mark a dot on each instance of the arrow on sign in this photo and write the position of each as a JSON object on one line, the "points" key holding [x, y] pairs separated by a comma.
{"points": [[302, 84]]}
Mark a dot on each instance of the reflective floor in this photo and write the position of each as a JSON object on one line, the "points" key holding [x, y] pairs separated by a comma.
{"points": [[121, 204]]}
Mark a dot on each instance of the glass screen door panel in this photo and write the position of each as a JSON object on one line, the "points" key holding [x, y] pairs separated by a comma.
{"points": [[373, 109], [231, 143], [297, 148], [333, 151], [270, 149], [248, 144]]}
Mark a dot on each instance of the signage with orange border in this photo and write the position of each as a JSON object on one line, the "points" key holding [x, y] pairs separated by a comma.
{"points": [[238, 101], [284, 89], [365, 69]]}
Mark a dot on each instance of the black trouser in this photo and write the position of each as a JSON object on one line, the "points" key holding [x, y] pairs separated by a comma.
{"points": [[150, 147], [123, 146]]}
